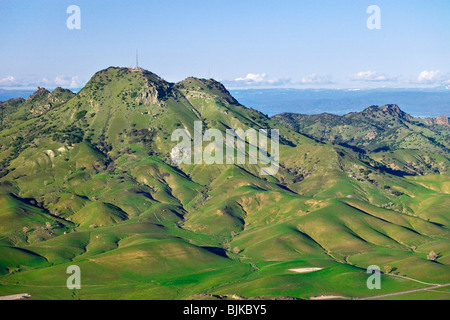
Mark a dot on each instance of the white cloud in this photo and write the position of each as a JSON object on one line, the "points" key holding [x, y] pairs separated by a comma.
{"points": [[370, 76], [75, 82], [316, 79], [61, 81], [31, 82], [7, 81], [65, 81], [259, 79], [252, 77], [430, 76]]}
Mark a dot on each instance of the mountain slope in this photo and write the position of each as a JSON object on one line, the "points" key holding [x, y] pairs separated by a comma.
{"points": [[375, 129], [386, 132], [97, 167]]}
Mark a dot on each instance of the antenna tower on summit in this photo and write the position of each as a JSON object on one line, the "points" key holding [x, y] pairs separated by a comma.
{"points": [[137, 59]]}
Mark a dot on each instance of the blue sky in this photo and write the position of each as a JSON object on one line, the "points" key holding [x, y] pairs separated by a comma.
{"points": [[245, 43]]}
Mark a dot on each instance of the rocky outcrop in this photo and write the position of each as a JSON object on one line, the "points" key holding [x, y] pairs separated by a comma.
{"points": [[441, 120], [38, 110], [42, 100], [150, 95], [40, 93]]}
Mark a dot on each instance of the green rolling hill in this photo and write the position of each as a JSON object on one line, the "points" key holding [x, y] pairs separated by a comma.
{"points": [[87, 179]]}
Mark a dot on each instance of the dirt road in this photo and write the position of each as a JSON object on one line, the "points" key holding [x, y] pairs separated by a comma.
{"points": [[404, 292]]}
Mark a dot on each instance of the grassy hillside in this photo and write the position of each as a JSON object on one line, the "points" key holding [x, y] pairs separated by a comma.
{"points": [[87, 179]]}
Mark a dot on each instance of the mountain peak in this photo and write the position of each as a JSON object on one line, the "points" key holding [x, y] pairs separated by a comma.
{"points": [[142, 85], [391, 107], [118, 72], [211, 85], [392, 110], [40, 92]]}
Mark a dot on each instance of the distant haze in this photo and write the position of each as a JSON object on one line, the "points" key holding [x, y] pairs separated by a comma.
{"points": [[418, 103]]}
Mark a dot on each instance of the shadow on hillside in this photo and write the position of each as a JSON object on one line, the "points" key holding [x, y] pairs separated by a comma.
{"points": [[218, 251]]}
